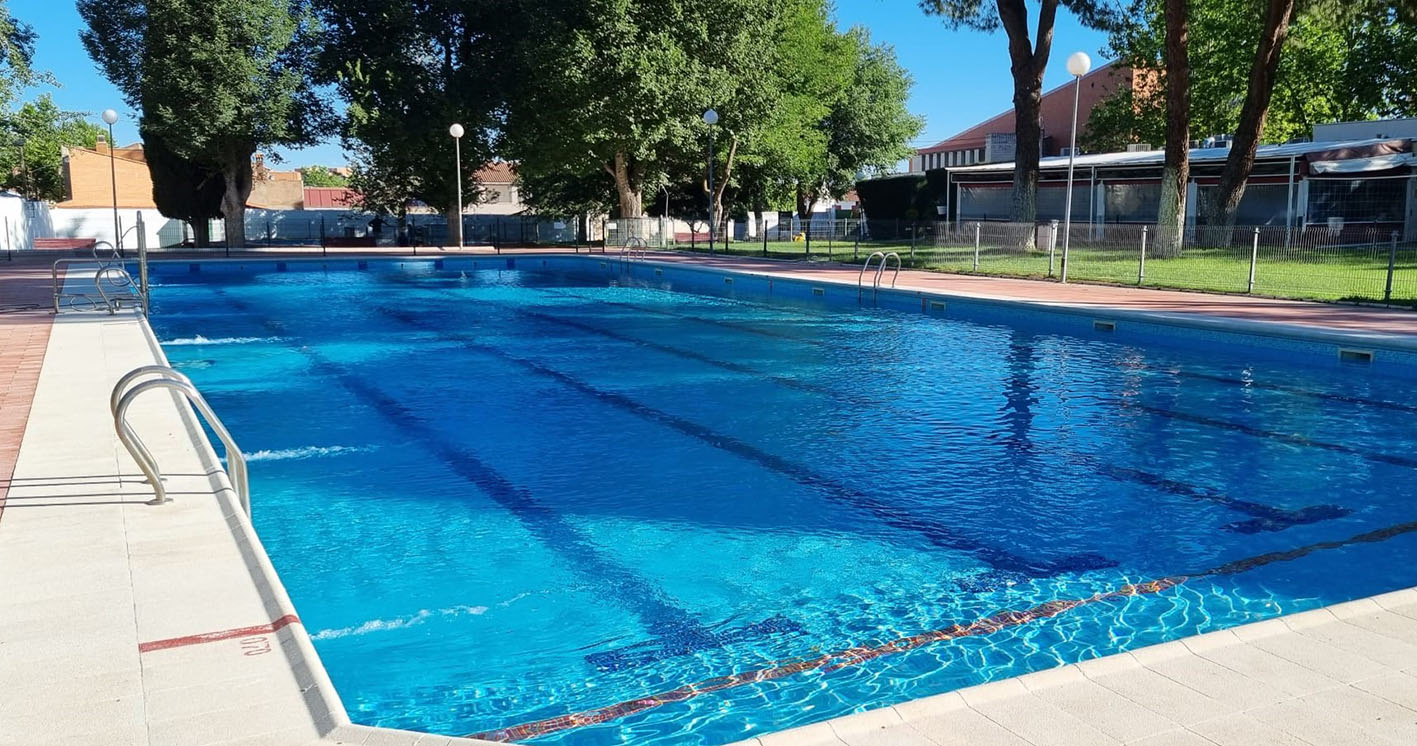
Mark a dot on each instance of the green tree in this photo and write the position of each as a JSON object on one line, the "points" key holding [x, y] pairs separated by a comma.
{"points": [[408, 70], [617, 88], [1341, 61], [841, 115], [1028, 57], [1176, 171], [31, 147], [16, 52], [217, 80], [320, 176], [184, 189]]}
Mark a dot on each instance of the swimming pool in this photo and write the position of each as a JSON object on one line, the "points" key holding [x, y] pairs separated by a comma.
{"points": [[690, 511]]}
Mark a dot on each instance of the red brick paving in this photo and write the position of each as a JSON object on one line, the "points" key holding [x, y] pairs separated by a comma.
{"points": [[25, 319]]}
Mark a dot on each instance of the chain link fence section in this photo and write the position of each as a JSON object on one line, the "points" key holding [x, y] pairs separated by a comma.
{"points": [[1317, 262]]}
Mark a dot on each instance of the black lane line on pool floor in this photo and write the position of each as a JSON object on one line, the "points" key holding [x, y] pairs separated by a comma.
{"points": [[1298, 516], [675, 631], [1160, 370], [1258, 432], [937, 533], [1262, 517]]}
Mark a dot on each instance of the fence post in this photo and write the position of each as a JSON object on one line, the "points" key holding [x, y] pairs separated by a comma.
{"points": [[976, 247], [978, 232], [1254, 258], [807, 232], [831, 228], [763, 220], [914, 228], [269, 236], [1391, 265], [10, 257], [1052, 244], [856, 245], [322, 235], [1141, 265]]}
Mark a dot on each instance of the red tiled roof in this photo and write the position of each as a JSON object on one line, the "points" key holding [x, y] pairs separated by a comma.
{"points": [[496, 172], [318, 198]]}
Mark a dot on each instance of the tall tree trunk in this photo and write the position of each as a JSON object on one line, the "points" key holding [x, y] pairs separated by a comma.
{"points": [[1171, 214], [631, 198], [1220, 208], [1027, 62], [804, 204], [237, 177], [201, 232]]}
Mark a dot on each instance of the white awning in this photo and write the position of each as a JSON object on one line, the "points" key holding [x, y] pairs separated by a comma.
{"points": [[1363, 165]]}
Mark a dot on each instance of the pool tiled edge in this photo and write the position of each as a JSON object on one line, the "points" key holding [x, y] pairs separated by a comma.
{"points": [[1343, 674]]}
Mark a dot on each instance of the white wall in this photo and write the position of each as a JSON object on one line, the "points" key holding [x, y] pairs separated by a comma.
{"points": [[97, 223]]}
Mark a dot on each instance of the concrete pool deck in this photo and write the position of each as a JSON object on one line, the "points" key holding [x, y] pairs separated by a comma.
{"points": [[127, 623]]}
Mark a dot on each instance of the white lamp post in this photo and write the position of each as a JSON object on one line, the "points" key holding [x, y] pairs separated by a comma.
{"points": [[711, 118], [1078, 65], [110, 117], [457, 132]]}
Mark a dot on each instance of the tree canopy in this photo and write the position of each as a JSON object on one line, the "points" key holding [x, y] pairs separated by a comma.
{"points": [[409, 70], [31, 147], [609, 97], [322, 176], [217, 80], [1336, 66]]}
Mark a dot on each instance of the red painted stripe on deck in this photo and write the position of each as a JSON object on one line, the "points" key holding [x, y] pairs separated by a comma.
{"points": [[830, 662], [226, 634]]}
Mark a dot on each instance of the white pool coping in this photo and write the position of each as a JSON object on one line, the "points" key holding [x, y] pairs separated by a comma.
{"points": [[91, 572]]}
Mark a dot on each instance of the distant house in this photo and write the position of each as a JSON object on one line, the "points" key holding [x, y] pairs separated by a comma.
{"points": [[500, 193], [992, 141]]}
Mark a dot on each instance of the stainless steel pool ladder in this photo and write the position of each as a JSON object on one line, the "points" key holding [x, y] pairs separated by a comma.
{"points": [[108, 265], [634, 248], [129, 388], [880, 272]]}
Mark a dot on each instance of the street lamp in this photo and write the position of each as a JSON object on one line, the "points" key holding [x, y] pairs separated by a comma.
{"points": [[110, 117], [457, 132], [1078, 65], [711, 118]]}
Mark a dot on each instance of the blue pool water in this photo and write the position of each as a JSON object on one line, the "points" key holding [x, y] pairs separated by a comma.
{"points": [[498, 496]]}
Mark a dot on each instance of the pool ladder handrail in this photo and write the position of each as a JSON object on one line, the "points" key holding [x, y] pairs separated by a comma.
{"points": [[106, 265], [634, 248], [880, 272], [165, 377], [125, 280]]}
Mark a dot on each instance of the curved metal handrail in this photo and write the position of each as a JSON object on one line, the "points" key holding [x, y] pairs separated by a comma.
{"points": [[112, 259], [861, 276], [633, 248], [172, 380], [125, 281], [882, 269]]}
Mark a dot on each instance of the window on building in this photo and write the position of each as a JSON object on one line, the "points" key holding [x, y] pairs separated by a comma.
{"points": [[1357, 200], [979, 155]]}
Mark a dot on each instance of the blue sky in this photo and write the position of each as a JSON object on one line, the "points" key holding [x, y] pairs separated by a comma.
{"points": [[961, 77]]}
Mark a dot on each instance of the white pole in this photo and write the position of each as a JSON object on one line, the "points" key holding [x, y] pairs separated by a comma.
{"points": [[457, 156], [1068, 198]]}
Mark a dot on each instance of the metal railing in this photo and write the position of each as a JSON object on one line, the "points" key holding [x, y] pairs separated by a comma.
{"points": [[164, 377], [880, 272], [634, 249], [125, 280]]}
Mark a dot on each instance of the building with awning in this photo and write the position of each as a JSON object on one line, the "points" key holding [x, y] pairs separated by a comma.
{"points": [[1363, 184]]}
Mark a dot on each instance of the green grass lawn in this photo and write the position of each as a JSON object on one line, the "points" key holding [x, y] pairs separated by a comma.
{"points": [[1334, 274]]}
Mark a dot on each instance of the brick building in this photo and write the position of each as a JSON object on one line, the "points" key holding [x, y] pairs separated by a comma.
{"points": [[992, 141]]}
